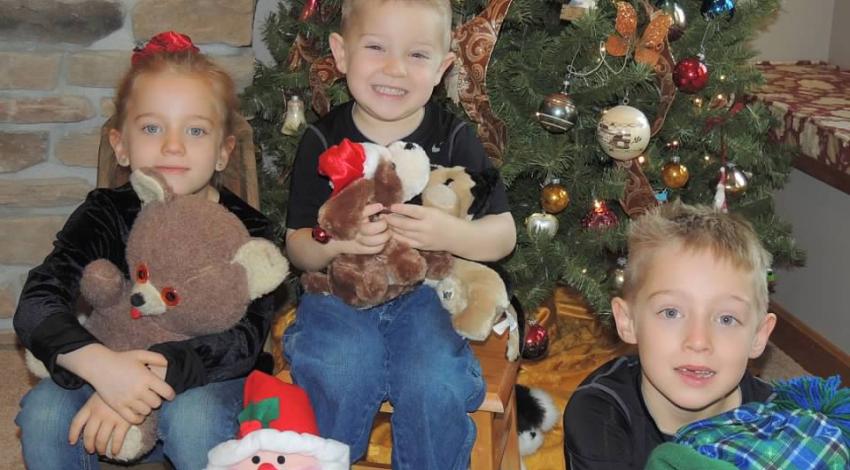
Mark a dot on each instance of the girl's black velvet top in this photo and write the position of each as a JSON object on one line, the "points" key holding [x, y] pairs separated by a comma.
{"points": [[46, 321]]}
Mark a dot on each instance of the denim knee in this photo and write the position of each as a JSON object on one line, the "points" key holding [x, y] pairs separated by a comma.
{"points": [[45, 418], [334, 344], [199, 419]]}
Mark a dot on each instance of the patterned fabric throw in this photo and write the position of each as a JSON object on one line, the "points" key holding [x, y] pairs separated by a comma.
{"points": [[805, 426]]}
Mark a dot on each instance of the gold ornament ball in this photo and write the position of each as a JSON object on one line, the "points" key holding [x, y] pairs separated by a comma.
{"points": [[541, 224], [618, 275], [554, 198], [736, 181], [674, 174]]}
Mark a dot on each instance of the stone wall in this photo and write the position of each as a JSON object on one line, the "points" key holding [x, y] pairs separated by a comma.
{"points": [[59, 63]]}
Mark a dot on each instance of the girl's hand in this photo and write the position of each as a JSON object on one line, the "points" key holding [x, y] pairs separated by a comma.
{"points": [[423, 228], [128, 386], [372, 234], [98, 423]]}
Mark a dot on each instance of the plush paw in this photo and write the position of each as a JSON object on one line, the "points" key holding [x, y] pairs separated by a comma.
{"points": [[131, 449]]}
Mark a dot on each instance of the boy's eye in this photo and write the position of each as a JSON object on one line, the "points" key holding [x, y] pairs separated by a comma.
{"points": [[728, 320], [670, 313], [420, 55], [150, 129], [374, 47], [196, 131]]}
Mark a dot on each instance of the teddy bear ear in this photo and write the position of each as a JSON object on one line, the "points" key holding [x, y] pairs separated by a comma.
{"points": [[265, 266], [150, 186]]}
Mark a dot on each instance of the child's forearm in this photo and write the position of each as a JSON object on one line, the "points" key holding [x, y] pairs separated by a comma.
{"points": [[307, 254], [489, 238], [84, 361]]}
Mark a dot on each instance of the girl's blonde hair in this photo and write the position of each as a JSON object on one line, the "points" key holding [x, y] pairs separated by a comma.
{"points": [[187, 62], [697, 227], [351, 8]]}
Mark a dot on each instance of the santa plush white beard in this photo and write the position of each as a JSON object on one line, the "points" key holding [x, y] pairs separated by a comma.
{"points": [[328, 453]]}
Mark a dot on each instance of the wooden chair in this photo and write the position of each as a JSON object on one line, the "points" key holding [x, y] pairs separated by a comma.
{"points": [[240, 176], [496, 445]]}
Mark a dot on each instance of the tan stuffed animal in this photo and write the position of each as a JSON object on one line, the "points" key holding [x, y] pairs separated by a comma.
{"points": [[474, 294], [387, 175], [194, 270]]}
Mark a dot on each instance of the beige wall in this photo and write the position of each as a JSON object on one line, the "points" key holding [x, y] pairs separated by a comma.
{"points": [[801, 30], [839, 45]]}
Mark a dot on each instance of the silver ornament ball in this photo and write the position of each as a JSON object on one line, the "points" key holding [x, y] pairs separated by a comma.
{"points": [[541, 224], [557, 113]]}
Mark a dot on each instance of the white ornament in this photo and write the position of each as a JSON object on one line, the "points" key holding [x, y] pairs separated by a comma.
{"points": [[294, 117], [623, 132]]}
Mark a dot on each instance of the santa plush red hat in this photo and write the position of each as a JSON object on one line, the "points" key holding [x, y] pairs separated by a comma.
{"points": [[348, 161], [277, 417]]}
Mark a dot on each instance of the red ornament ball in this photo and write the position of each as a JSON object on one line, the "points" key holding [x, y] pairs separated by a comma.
{"points": [[536, 342], [690, 75], [600, 217]]}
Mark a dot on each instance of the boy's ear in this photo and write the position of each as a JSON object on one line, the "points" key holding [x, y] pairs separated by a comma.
{"points": [[768, 323], [226, 150], [118, 147], [447, 62], [337, 43], [624, 319]]}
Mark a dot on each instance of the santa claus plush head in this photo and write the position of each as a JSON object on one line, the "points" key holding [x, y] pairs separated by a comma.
{"points": [[277, 431]]}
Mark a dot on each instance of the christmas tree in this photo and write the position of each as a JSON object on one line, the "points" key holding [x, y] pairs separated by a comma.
{"points": [[598, 110]]}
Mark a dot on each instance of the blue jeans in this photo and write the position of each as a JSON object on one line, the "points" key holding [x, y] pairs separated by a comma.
{"points": [[404, 351], [189, 426]]}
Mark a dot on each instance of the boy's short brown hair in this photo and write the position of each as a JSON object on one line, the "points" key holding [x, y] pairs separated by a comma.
{"points": [[697, 227], [351, 8]]}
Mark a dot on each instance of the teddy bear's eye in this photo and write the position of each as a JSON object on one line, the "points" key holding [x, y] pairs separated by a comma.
{"points": [[449, 182], [170, 297], [281, 459], [142, 274]]}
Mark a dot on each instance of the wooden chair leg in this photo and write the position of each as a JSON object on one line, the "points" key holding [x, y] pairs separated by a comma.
{"points": [[511, 458], [482, 451]]}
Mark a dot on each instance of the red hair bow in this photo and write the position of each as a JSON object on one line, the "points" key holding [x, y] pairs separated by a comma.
{"points": [[168, 41]]}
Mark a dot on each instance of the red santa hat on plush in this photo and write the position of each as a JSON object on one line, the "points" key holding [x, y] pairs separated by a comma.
{"points": [[277, 417], [348, 161]]}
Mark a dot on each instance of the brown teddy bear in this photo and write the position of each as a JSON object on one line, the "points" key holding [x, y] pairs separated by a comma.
{"points": [[194, 270], [474, 294], [362, 174]]}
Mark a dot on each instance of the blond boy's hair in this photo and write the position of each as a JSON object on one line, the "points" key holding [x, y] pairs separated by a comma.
{"points": [[697, 227], [352, 8]]}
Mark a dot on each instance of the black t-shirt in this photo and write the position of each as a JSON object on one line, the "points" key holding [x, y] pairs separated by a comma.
{"points": [[607, 419], [447, 140]]}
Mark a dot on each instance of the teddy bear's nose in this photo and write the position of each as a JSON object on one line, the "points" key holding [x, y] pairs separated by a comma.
{"points": [[137, 300]]}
